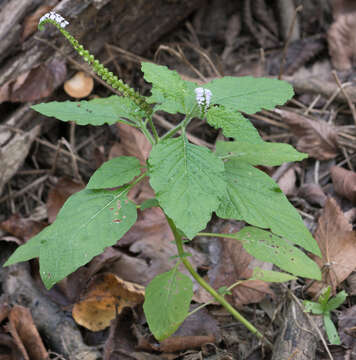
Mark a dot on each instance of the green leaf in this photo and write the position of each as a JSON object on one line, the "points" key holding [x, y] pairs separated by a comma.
{"points": [[188, 181], [271, 248], [93, 112], [263, 153], [324, 297], [233, 124], [115, 172], [331, 330], [169, 90], [167, 301], [313, 307], [270, 276], [149, 203], [336, 301], [88, 222], [251, 196], [248, 94]]}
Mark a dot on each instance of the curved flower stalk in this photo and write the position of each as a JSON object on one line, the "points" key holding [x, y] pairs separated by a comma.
{"points": [[60, 23]]}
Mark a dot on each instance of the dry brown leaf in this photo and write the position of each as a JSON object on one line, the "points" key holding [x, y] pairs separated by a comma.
{"points": [[105, 297], [313, 193], [25, 334], [344, 182], [22, 228], [287, 182], [236, 264], [316, 137], [9, 350], [341, 34], [36, 84], [337, 243], [133, 143], [58, 195], [31, 22]]}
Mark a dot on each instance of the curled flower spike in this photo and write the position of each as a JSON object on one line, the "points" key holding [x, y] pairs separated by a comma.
{"points": [[55, 18], [60, 23], [203, 97]]}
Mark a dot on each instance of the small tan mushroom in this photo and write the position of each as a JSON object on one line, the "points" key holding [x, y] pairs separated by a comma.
{"points": [[79, 86]]}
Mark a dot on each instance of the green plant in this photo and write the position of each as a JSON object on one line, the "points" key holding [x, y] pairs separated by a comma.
{"points": [[190, 182], [324, 306]]}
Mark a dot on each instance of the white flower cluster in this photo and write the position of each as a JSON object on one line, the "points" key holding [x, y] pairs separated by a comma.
{"points": [[55, 17], [203, 97]]}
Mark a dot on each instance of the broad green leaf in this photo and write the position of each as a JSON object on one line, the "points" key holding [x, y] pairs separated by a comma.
{"points": [[233, 124], [169, 90], [313, 307], [149, 203], [254, 197], [336, 301], [263, 153], [249, 94], [115, 172], [188, 181], [331, 330], [88, 222], [93, 112], [27, 251], [271, 276], [167, 301], [271, 248]]}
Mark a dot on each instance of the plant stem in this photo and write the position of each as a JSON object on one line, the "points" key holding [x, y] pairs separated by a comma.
{"points": [[213, 292], [147, 133], [154, 130]]}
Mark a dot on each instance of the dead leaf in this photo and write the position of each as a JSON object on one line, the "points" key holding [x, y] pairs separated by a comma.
{"points": [[22, 228], [235, 264], [133, 143], [125, 338], [313, 193], [4, 311], [287, 182], [36, 84], [25, 334], [344, 182], [31, 22], [316, 137], [341, 34], [105, 297], [337, 243], [58, 195]]}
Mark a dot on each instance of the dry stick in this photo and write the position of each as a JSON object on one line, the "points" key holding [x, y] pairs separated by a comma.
{"points": [[347, 158], [180, 55], [46, 143], [22, 191], [284, 53], [312, 322], [347, 97], [74, 161]]}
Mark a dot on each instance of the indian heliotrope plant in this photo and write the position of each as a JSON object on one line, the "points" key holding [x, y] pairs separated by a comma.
{"points": [[190, 183]]}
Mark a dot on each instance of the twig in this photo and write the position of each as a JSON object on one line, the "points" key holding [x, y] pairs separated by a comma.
{"points": [[347, 97], [24, 190], [284, 53]]}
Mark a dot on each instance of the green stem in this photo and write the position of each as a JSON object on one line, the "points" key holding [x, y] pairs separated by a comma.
{"points": [[147, 133], [209, 289], [228, 236], [172, 132], [154, 130]]}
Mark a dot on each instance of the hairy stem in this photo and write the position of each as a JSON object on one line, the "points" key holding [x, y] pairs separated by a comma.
{"points": [[210, 290]]}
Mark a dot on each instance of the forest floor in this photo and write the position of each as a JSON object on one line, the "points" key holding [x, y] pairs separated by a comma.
{"points": [[312, 48]]}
